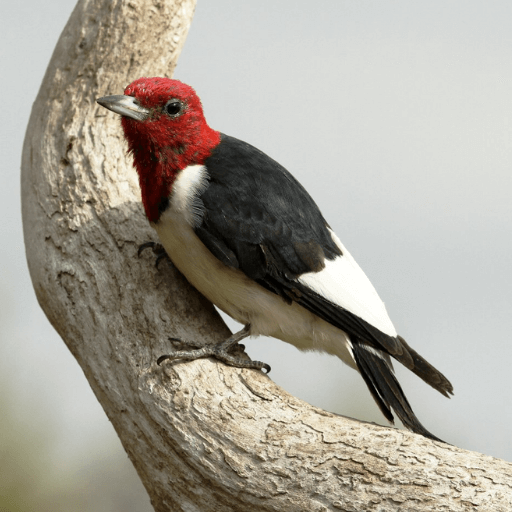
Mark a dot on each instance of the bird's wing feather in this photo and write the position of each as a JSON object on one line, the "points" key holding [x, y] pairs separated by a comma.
{"points": [[259, 219], [256, 217]]}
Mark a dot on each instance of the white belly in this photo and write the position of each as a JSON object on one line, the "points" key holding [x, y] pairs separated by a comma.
{"points": [[230, 289], [243, 299]]}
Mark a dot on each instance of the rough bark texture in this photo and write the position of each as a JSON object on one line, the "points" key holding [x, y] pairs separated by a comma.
{"points": [[202, 436]]}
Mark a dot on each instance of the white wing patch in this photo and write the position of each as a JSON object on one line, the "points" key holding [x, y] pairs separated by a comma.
{"points": [[344, 283], [184, 199]]}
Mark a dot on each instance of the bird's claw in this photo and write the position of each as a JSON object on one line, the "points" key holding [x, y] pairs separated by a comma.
{"points": [[220, 352], [144, 246], [158, 251]]}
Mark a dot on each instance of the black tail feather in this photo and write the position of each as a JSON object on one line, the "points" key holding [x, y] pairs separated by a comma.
{"points": [[424, 370], [385, 388]]}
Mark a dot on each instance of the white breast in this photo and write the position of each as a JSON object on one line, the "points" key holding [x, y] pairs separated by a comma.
{"points": [[230, 289]]}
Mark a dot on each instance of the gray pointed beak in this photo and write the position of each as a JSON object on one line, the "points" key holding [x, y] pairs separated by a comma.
{"points": [[126, 106]]}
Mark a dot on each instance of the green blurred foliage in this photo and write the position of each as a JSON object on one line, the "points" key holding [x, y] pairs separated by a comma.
{"points": [[43, 466], [35, 477]]}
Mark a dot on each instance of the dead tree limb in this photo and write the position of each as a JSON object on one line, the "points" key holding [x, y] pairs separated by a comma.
{"points": [[202, 436]]}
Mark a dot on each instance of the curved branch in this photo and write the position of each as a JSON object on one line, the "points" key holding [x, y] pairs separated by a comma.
{"points": [[202, 436]]}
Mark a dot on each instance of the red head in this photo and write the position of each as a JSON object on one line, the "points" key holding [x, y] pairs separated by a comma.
{"points": [[164, 125]]}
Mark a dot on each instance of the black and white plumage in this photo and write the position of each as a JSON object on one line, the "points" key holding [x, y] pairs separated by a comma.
{"points": [[248, 236]]}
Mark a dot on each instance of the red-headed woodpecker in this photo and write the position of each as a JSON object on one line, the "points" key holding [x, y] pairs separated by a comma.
{"points": [[248, 236]]}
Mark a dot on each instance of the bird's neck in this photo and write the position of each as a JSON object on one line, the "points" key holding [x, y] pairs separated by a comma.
{"points": [[158, 166]]}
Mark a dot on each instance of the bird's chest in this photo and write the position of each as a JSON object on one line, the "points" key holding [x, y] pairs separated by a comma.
{"points": [[226, 287], [222, 285]]}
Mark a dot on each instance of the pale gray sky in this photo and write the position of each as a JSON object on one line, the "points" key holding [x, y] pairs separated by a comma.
{"points": [[397, 117]]}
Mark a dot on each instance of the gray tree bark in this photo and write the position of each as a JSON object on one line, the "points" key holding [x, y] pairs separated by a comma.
{"points": [[202, 436]]}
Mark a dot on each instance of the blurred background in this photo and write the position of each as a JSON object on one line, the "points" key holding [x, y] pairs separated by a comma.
{"points": [[397, 117]]}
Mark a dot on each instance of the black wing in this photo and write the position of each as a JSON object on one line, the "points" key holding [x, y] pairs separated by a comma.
{"points": [[259, 219]]}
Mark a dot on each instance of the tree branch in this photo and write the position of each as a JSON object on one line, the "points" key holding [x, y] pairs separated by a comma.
{"points": [[202, 436]]}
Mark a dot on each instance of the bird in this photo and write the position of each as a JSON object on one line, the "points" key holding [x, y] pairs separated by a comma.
{"points": [[249, 237]]}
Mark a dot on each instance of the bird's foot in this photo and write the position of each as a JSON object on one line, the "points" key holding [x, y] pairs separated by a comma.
{"points": [[158, 251], [219, 351], [237, 348]]}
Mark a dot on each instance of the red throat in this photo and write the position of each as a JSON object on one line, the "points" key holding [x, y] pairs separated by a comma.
{"points": [[163, 146]]}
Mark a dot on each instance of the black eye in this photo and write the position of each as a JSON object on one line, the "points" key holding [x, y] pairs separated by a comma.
{"points": [[173, 108]]}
